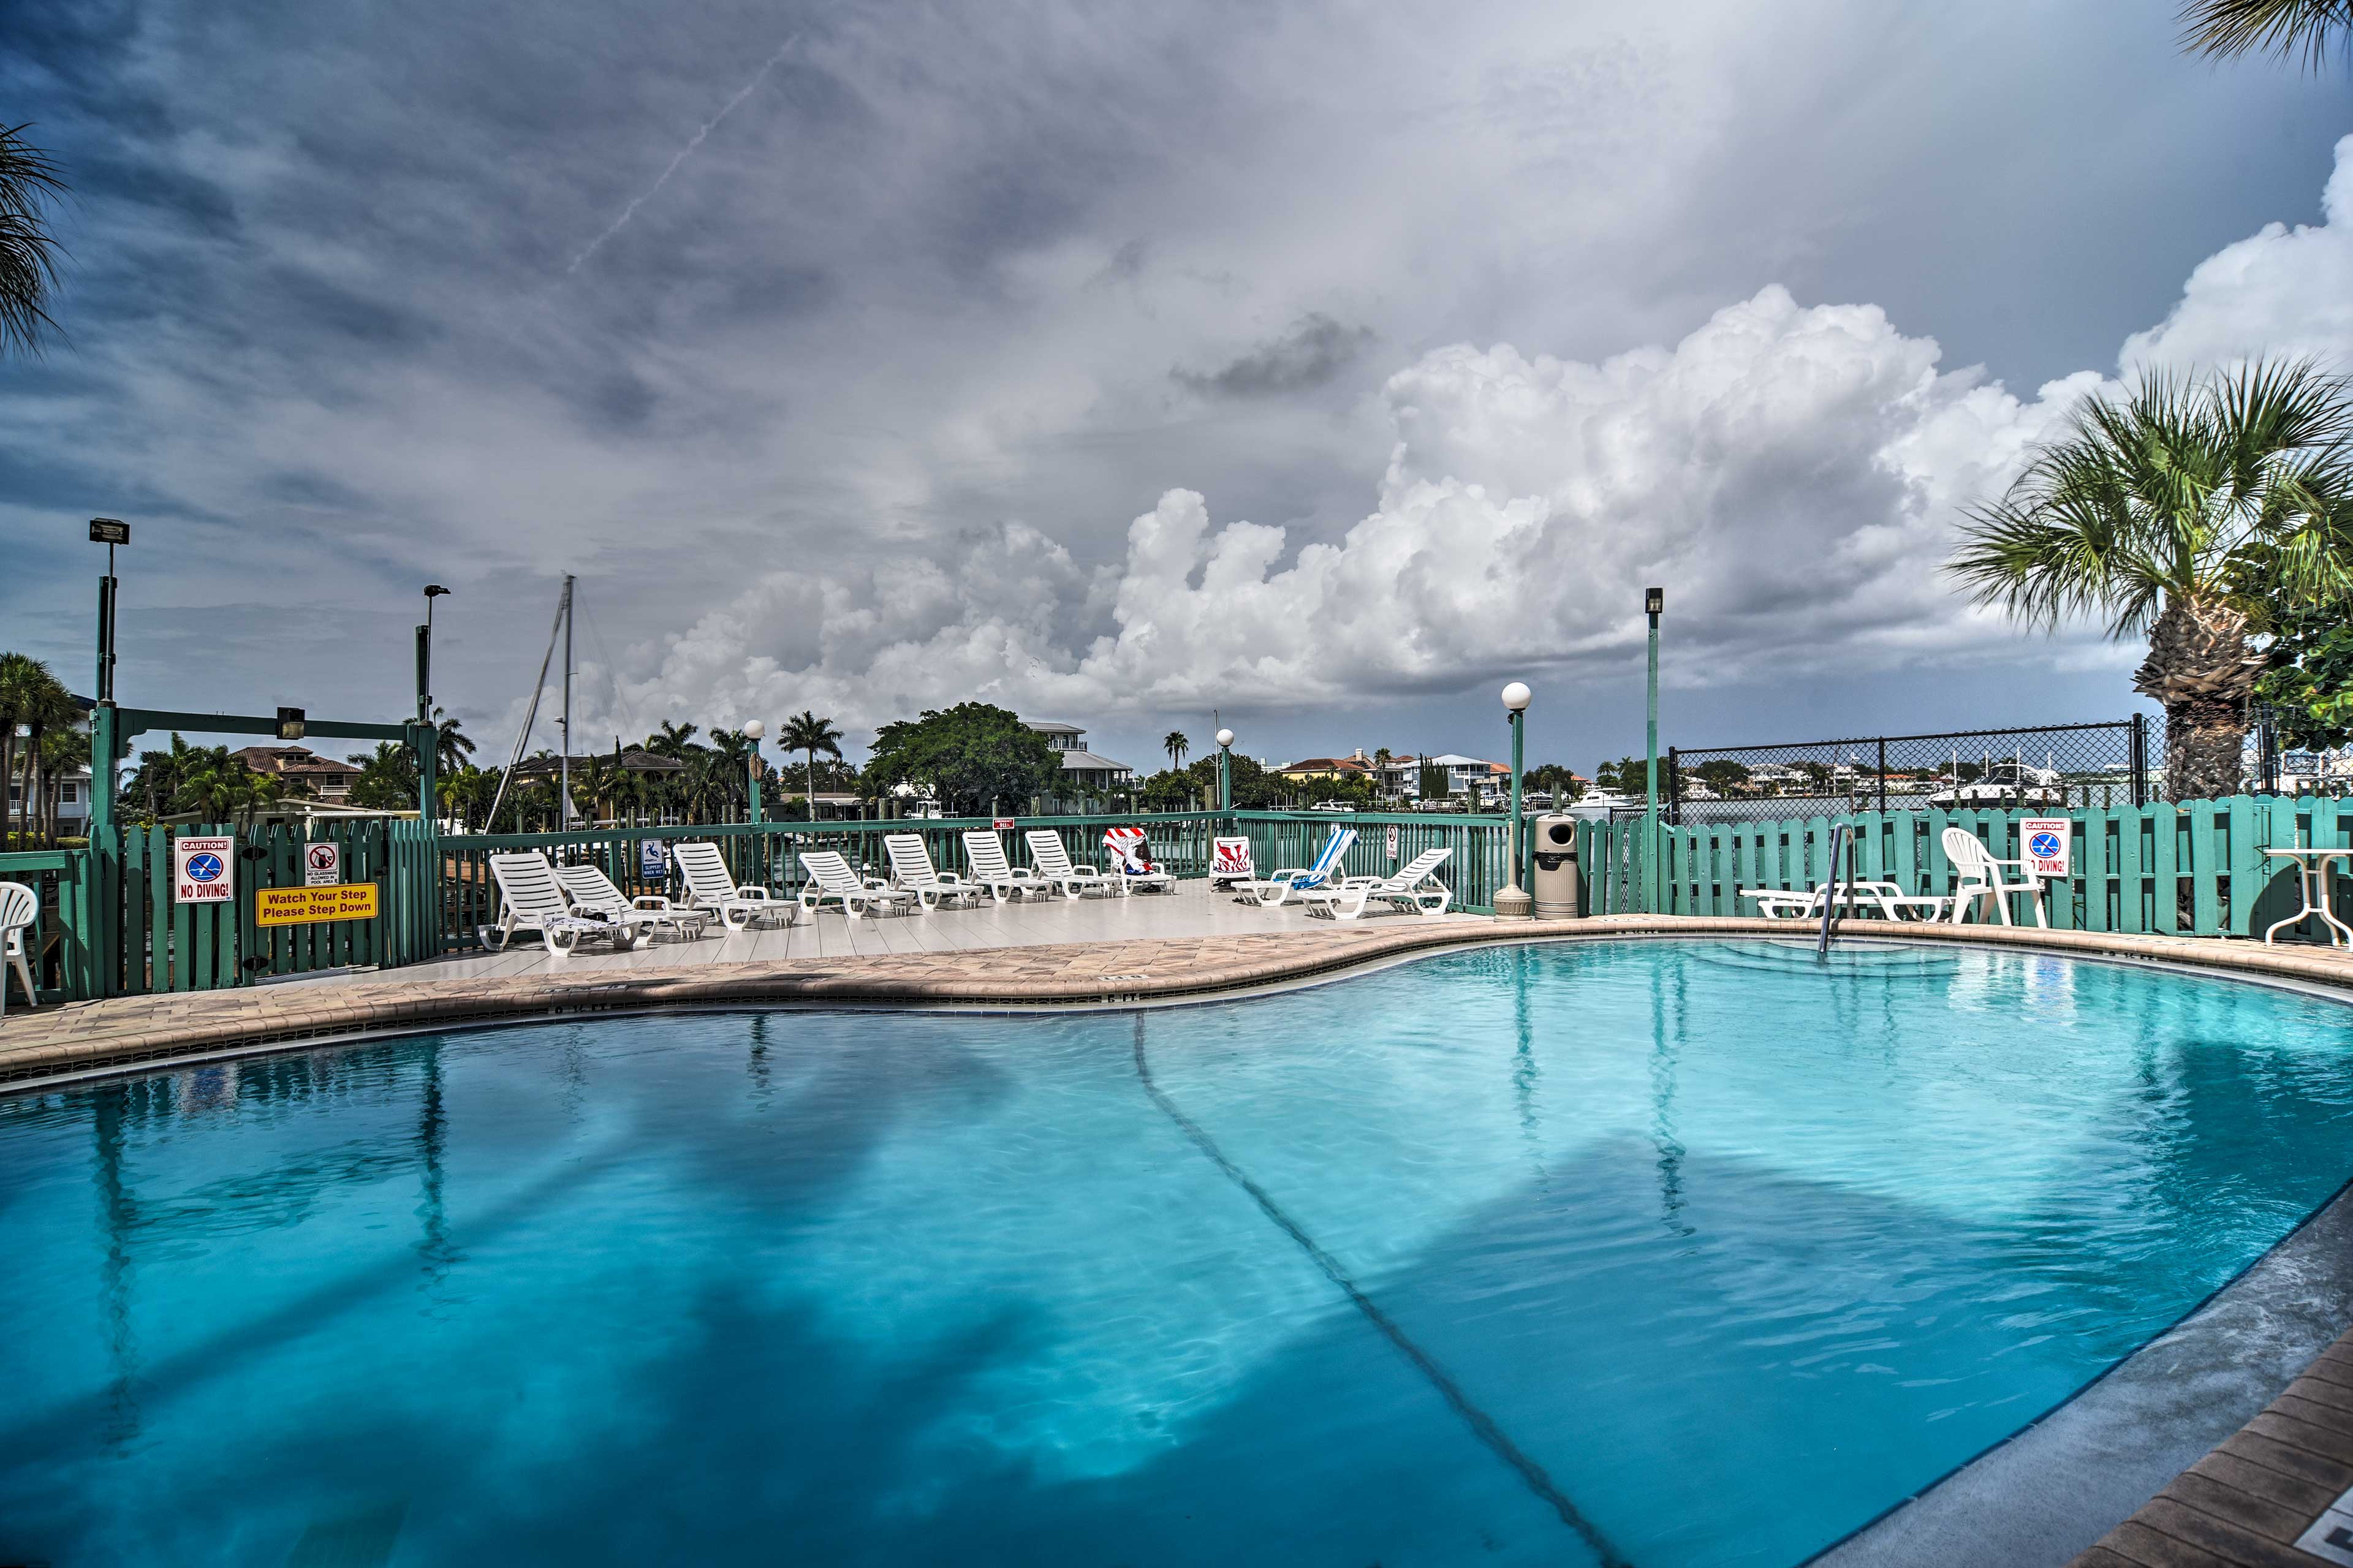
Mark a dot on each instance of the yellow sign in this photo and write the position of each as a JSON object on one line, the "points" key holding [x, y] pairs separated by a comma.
{"points": [[301, 906]]}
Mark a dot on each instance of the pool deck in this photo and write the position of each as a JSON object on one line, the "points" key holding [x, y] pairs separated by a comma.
{"points": [[2040, 1498]]}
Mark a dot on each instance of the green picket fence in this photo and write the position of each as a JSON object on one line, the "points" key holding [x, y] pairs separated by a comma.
{"points": [[2198, 868], [110, 928]]}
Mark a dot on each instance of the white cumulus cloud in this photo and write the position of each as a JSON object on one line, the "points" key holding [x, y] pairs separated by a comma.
{"points": [[1793, 473]]}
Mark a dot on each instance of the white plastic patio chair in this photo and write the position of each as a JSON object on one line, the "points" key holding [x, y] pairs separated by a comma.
{"points": [[531, 899], [1416, 887], [20, 919], [1981, 876], [831, 877], [591, 892], [1229, 862], [1131, 861], [1270, 890], [911, 862], [711, 886], [990, 869], [1053, 863]]}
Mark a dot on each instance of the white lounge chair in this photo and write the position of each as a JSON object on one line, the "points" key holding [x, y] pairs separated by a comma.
{"points": [[912, 864], [831, 877], [20, 917], [1053, 863], [1229, 862], [1417, 887], [531, 899], [1853, 898], [1981, 876], [1292, 881], [592, 893], [1131, 861], [711, 886], [990, 869]]}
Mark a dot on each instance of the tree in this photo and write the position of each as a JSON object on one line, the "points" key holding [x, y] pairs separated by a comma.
{"points": [[387, 780], [2193, 514], [806, 733], [1175, 743], [966, 757], [34, 700], [29, 182], [2309, 682], [1556, 780], [1433, 782], [1721, 772], [452, 746], [2227, 29], [1627, 775], [672, 741]]}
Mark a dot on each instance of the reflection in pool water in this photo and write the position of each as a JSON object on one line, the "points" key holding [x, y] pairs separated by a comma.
{"points": [[1652, 1253]]}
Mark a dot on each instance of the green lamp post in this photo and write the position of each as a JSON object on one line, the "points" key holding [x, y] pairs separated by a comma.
{"points": [[1225, 772], [1653, 601], [1512, 901]]}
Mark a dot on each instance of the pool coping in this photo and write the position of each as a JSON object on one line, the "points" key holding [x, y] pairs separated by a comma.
{"points": [[76, 1039], [2243, 1504]]}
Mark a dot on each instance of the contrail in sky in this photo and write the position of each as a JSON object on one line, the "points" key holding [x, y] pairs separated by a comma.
{"points": [[684, 152]]}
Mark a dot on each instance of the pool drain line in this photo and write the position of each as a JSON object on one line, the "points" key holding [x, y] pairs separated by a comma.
{"points": [[1482, 1425]]}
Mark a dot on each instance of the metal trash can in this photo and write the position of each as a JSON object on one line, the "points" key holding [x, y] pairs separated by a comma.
{"points": [[1557, 877]]}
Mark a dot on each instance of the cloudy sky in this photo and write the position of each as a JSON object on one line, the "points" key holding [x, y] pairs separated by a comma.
{"points": [[1322, 365]]}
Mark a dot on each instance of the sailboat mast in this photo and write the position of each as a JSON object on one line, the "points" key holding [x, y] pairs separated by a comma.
{"points": [[563, 763]]}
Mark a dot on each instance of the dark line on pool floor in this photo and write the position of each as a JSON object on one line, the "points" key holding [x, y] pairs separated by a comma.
{"points": [[1482, 1425]]}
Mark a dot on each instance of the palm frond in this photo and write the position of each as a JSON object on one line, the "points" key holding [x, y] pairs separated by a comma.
{"points": [[29, 182], [2227, 29]]}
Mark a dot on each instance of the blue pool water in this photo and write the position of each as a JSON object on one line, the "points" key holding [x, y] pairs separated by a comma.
{"points": [[1644, 1253]]}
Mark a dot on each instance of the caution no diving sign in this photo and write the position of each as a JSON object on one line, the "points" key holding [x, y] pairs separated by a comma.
{"points": [[301, 905]]}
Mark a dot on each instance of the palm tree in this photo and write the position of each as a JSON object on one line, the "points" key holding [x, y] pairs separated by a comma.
{"points": [[2184, 512], [807, 733], [63, 751], [36, 701], [2228, 28], [20, 676], [29, 182], [1175, 744], [451, 745], [672, 741]]}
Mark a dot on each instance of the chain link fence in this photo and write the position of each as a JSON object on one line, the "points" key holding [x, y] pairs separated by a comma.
{"points": [[2273, 768], [2116, 763]]}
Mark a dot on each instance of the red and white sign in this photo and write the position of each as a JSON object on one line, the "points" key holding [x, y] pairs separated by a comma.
{"points": [[1003, 824], [322, 865], [1393, 840], [204, 870], [2043, 843]]}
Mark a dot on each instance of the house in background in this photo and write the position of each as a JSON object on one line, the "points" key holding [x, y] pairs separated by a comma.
{"points": [[1309, 769], [73, 802], [1473, 778], [1083, 771], [329, 780]]}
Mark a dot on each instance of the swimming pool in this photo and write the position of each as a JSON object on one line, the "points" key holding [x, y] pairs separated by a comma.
{"points": [[1656, 1253]]}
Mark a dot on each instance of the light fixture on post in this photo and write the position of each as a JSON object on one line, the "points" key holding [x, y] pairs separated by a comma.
{"points": [[1225, 772], [755, 731], [1513, 903]]}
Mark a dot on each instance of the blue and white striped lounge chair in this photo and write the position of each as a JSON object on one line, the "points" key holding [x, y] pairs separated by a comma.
{"points": [[1270, 890]]}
